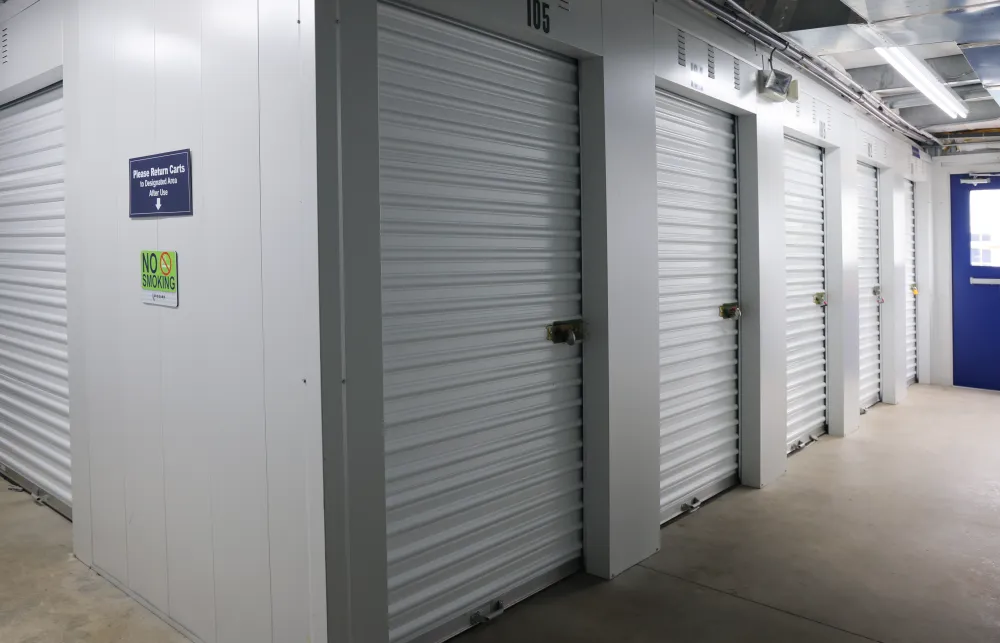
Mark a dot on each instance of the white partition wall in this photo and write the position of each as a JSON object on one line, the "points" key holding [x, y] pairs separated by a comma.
{"points": [[197, 459]]}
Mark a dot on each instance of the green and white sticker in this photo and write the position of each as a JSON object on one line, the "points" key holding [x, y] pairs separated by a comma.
{"points": [[159, 278]]}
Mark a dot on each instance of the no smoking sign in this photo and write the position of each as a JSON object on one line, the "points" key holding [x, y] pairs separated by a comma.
{"points": [[159, 278]]}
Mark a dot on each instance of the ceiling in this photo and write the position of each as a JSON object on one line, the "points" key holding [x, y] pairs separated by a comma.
{"points": [[958, 39]]}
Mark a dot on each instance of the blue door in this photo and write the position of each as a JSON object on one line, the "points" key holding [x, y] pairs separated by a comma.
{"points": [[975, 258]]}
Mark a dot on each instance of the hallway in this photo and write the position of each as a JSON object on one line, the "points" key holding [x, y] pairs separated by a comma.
{"points": [[890, 535]]}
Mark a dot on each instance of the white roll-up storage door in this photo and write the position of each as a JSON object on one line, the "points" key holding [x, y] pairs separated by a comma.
{"points": [[34, 369], [911, 285], [805, 256], [480, 216], [869, 288], [697, 205]]}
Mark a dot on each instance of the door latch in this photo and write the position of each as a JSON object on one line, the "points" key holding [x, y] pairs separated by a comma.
{"points": [[913, 289], [877, 292], [820, 299], [481, 618], [691, 507], [730, 311], [566, 332]]}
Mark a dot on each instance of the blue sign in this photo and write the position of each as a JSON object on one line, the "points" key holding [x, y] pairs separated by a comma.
{"points": [[160, 185], [915, 151]]}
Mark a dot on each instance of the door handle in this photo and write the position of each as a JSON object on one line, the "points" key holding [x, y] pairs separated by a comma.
{"points": [[566, 332], [730, 311]]}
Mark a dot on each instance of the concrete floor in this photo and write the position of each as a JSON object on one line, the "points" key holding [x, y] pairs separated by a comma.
{"points": [[47, 596], [892, 535]]}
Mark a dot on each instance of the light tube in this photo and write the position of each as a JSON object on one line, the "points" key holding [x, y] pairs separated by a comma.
{"points": [[914, 72], [923, 80], [917, 74]]}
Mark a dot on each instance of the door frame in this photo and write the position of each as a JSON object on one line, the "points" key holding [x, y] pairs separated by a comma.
{"points": [[621, 499], [824, 161], [840, 168], [935, 327], [40, 493], [882, 202], [960, 194], [671, 88], [761, 328]]}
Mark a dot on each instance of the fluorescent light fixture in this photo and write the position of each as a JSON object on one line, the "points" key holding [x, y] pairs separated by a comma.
{"points": [[921, 77]]}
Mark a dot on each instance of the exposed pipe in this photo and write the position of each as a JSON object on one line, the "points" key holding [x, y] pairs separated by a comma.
{"points": [[840, 82]]}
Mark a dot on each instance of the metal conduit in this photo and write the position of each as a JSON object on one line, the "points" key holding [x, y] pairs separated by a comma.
{"points": [[840, 82]]}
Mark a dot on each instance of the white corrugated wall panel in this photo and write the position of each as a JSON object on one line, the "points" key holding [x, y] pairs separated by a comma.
{"points": [[34, 370], [480, 193], [869, 288], [805, 256], [911, 285], [697, 213]]}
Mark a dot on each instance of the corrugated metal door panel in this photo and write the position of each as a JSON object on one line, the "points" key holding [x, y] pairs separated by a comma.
{"points": [[911, 285], [805, 255], [697, 204], [34, 381], [480, 215], [869, 288]]}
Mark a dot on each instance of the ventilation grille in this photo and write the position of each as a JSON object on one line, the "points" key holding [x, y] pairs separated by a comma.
{"points": [[682, 58], [822, 116], [711, 61], [736, 74], [3, 45]]}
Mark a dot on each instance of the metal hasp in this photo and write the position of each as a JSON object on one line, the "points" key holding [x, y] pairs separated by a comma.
{"points": [[801, 444], [691, 507], [496, 611], [730, 311], [877, 292], [820, 299], [566, 332]]}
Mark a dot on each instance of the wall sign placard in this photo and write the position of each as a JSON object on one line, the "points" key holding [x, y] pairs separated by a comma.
{"points": [[159, 278], [160, 185]]}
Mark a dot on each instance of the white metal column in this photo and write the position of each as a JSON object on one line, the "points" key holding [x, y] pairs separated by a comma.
{"points": [[911, 285], [34, 369], [699, 374], [480, 213], [869, 288], [805, 255]]}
